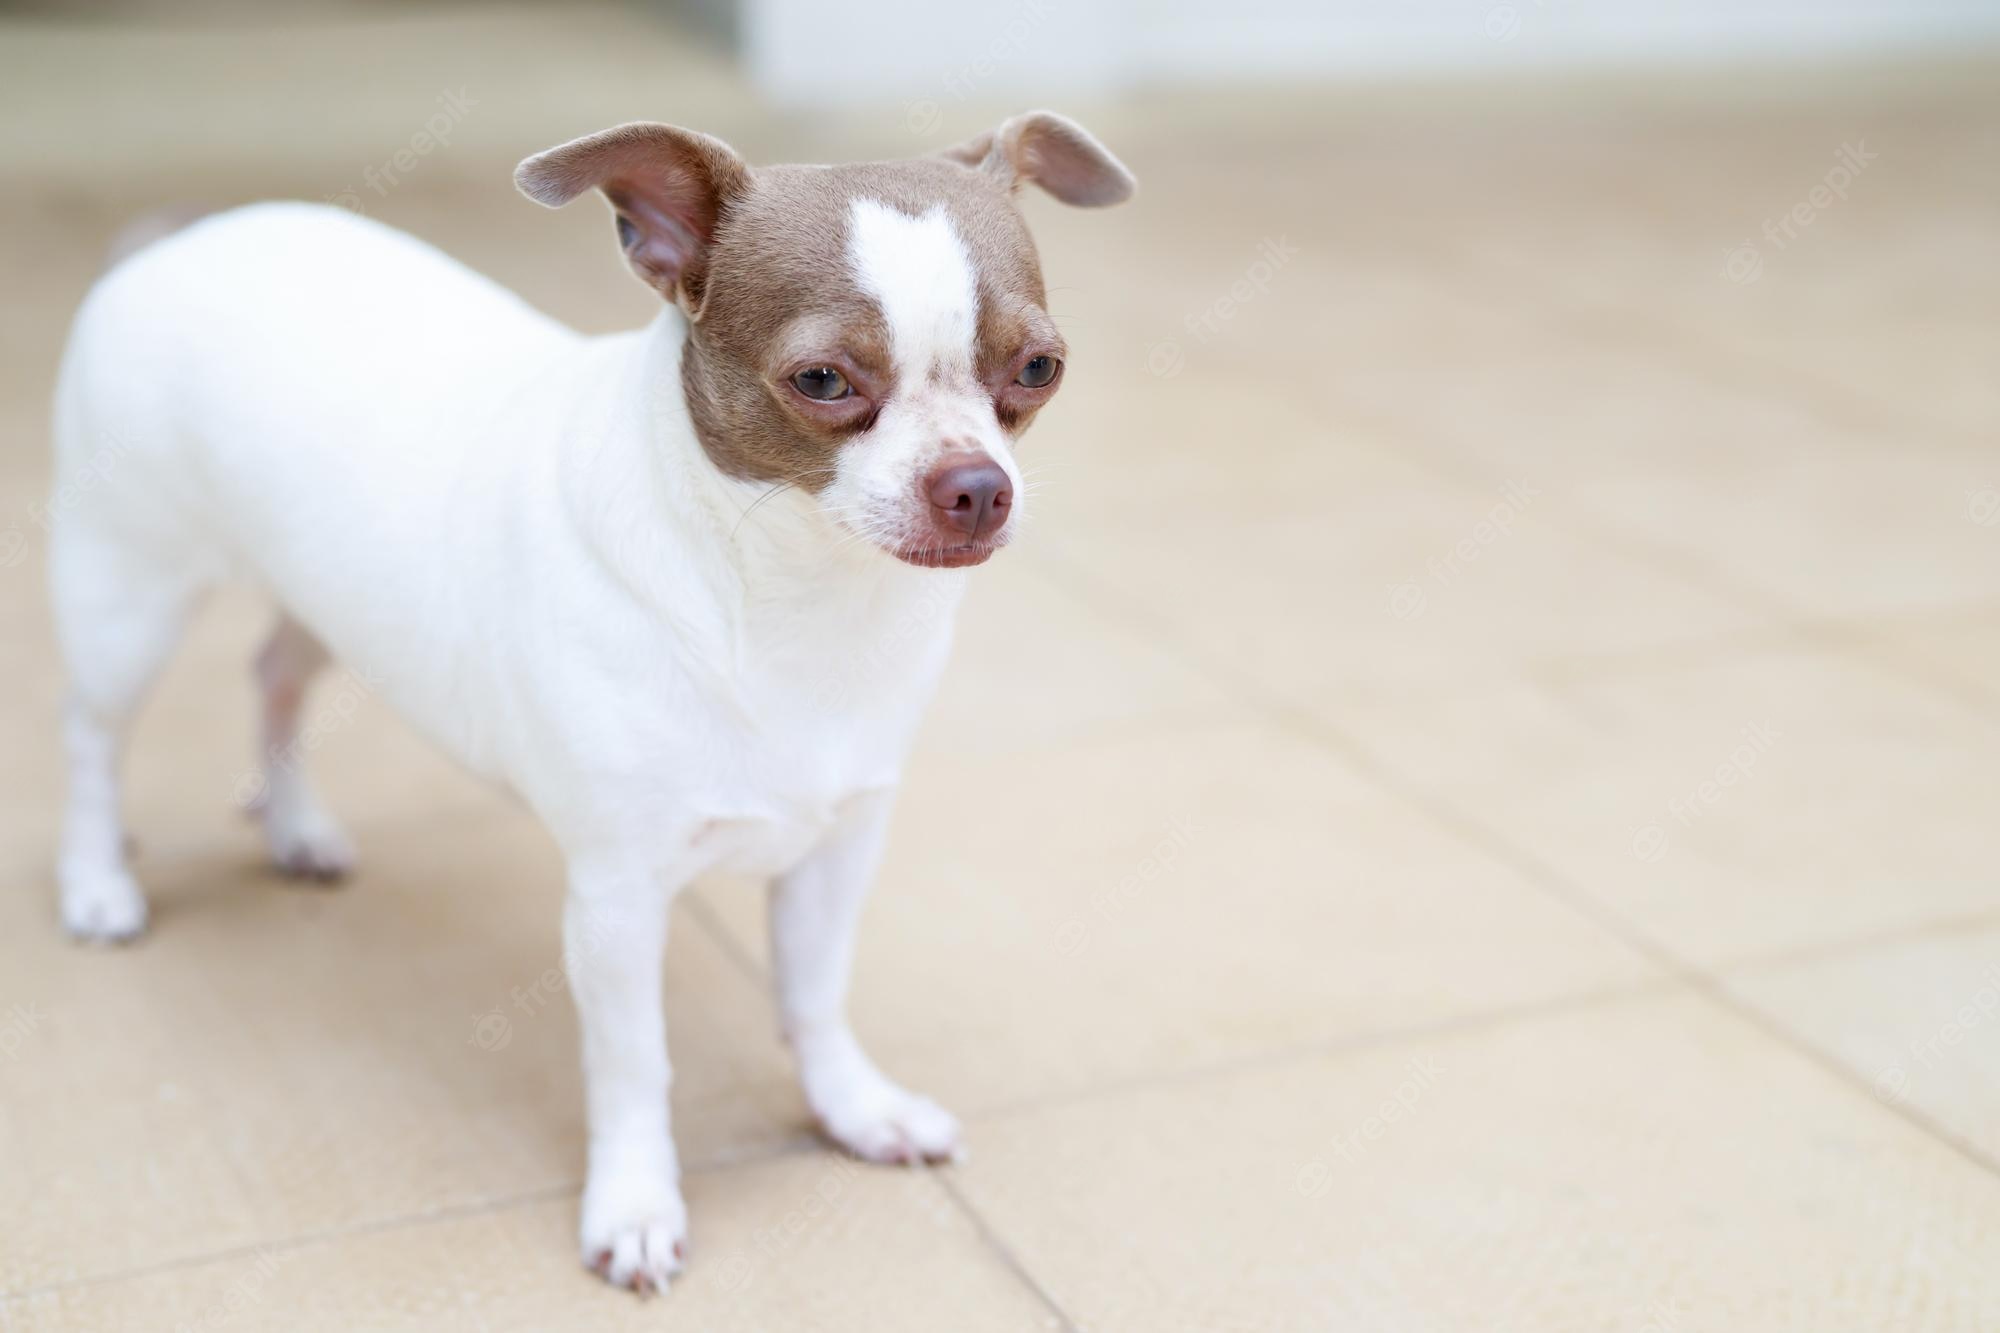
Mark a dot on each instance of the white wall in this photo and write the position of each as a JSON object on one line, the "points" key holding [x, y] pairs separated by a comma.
{"points": [[803, 52]]}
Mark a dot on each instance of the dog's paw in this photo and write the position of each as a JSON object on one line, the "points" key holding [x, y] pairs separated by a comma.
{"points": [[889, 1125], [632, 1236], [103, 906], [306, 843]]}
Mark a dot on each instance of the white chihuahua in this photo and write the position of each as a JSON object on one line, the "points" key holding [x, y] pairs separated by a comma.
{"points": [[622, 576]]}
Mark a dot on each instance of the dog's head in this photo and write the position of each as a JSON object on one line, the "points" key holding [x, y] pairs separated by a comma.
{"points": [[875, 334]]}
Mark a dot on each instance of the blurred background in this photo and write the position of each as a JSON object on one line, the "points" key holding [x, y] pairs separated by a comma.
{"points": [[1494, 730]]}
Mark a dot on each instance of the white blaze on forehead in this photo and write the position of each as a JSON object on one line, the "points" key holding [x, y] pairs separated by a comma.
{"points": [[919, 272]]}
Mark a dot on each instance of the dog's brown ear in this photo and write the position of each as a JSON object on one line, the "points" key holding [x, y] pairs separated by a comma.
{"points": [[668, 186], [1053, 152]]}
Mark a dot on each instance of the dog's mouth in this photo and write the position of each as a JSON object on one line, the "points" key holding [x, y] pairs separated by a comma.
{"points": [[963, 556]]}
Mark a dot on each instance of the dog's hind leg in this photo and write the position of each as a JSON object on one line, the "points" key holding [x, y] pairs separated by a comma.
{"points": [[119, 611], [305, 840]]}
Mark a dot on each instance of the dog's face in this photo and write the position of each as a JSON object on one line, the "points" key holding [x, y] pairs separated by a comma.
{"points": [[875, 335]]}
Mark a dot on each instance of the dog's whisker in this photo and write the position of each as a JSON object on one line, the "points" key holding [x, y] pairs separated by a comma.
{"points": [[777, 490]]}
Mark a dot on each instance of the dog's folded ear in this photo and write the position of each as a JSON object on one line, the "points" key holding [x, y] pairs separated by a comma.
{"points": [[1053, 152], [668, 186]]}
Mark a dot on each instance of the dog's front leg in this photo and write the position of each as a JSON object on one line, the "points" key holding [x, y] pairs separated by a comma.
{"points": [[814, 911], [614, 943]]}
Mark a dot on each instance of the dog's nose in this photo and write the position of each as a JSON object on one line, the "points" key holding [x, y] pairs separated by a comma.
{"points": [[970, 494]]}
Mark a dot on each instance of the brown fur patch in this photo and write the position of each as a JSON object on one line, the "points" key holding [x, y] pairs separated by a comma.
{"points": [[667, 185], [1053, 152], [779, 287]]}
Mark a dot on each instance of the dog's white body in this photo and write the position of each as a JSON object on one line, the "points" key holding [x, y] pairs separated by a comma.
{"points": [[511, 531], [508, 528], [532, 545]]}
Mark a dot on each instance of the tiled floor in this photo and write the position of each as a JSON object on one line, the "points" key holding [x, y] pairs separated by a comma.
{"points": [[1498, 733]]}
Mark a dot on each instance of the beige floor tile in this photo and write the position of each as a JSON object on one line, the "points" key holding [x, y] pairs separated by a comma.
{"points": [[1917, 1018], [1961, 645], [1130, 871], [1568, 412], [1645, 1165], [1387, 581], [1897, 529], [1732, 804], [1883, 304], [1034, 665], [274, 1061], [1937, 350], [1153, 903], [807, 1242]]}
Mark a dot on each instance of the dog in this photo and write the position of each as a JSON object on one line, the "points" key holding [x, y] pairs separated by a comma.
{"points": [[626, 577]]}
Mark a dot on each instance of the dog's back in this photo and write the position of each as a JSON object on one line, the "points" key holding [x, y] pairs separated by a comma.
{"points": [[252, 335], [243, 393], [287, 392]]}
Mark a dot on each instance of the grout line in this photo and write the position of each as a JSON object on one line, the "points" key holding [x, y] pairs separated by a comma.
{"points": [[1709, 985], [1815, 630], [1718, 991], [1091, 592], [1474, 833], [1578, 315], [1878, 649], [1678, 345], [1681, 344], [710, 923], [707, 920], [305, 1240], [1778, 960], [991, 1239], [1671, 339], [1351, 1043], [400, 1222], [1873, 633], [718, 931]]}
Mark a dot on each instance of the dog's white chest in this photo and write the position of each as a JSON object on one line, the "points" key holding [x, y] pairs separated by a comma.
{"points": [[787, 762]]}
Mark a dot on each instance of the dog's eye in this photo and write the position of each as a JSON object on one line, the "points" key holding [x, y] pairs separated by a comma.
{"points": [[823, 383], [1039, 373]]}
